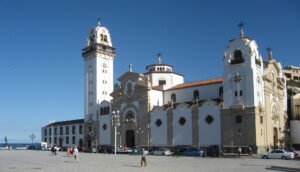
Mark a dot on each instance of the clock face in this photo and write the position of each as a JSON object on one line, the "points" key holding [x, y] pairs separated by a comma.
{"points": [[129, 88]]}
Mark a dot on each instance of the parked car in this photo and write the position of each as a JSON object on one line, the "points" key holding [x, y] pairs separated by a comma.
{"points": [[214, 151], [106, 149], [194, 152], [279, 154], [162, 151], [291, 150]]}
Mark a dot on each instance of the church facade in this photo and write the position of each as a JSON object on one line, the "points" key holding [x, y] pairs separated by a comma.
{"points": [[244, 107]]}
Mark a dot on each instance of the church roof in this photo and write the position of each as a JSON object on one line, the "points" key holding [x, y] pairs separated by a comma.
{"points": [[75, 121], [197, 83]]}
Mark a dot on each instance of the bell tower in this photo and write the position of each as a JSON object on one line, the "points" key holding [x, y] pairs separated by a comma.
{"points": [[244, 99], [98, 58], [243, 72]]}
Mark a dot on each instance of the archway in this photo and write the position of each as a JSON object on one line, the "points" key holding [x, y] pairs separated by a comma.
{"points": [[130, 138]]}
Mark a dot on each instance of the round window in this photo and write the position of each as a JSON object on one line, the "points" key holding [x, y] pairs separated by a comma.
{"points": [[158, 122], [104, 126], [182, 121], [209, 119]]}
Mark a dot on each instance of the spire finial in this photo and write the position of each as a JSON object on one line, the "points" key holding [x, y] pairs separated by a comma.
{"points": [[241, 25], [270, 56], [130, 67], [98, 21], [158, 58]]}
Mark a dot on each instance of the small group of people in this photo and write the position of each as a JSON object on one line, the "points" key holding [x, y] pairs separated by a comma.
{"points": [[70, 151], [73, 151], [249, 151]]}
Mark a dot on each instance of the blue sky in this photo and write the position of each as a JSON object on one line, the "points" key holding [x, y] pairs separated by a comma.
{"points": [[41, 67]]}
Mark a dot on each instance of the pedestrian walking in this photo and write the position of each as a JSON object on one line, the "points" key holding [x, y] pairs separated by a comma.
{"points": [[68, 152], [75, 153], [250, 151], [143, 159], [239, 151]]}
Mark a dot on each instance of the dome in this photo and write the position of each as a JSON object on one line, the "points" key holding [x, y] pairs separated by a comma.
{"points": [[99, 35]]}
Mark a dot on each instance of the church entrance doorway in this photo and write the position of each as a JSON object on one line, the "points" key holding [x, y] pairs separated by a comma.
{"points": [[130, 138], [275, 138]]}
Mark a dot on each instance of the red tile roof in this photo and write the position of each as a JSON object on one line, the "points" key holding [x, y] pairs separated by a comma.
{"points": [[197, 83]]}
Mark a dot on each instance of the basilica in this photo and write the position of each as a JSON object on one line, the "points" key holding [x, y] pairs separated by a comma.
{"points": [[246, 106]]}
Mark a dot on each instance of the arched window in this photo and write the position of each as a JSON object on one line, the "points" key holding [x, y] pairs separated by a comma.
{"points": [[108, 112], [238, 57], [105, 38], [238, 54], [129, 117], [196, 95], [101, 37], [173, 97]]}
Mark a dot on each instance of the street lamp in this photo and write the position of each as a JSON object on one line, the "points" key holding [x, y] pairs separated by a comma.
{"points": [[91, 134], [139, 131], [32, 137], [115, 120]]}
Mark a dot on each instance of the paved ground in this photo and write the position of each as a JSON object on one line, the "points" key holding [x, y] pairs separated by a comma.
{"points": [[44, 161]]}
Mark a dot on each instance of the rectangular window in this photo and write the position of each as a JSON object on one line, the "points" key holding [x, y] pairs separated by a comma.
{"points": [[162, 82], [67, 140], [55, 131], [45, 139], [55, 140], [49, 140], [238, 119], [241, 93], [45, 131], [235, 93], [67, 129], [61, 130], [73, 129], [80, 129], [50, 131], [73, 140]]}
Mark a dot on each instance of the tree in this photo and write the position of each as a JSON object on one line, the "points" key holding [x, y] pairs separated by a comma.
{"points": [[5, 140]]}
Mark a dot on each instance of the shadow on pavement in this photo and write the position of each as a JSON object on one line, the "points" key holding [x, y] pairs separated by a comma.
{"points": [[71, 161], [287, 169], [132, 166]]}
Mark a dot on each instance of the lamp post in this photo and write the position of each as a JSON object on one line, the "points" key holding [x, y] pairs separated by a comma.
{"points": [[115, 119], [139, 131], [32, 137], [91, 134]]}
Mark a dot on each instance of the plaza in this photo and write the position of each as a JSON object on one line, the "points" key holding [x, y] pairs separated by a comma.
{"points": [[28, 161]]}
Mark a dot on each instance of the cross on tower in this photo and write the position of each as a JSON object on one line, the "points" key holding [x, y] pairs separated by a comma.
{"points": [[241, 25], [269, 53]]}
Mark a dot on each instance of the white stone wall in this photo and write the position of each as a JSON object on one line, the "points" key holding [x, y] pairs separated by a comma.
{"points": [[105, 133], [209, 134], [182, 134], [63, 136], [156, 98], [210, 91], [158, 134], [172, 79]]}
